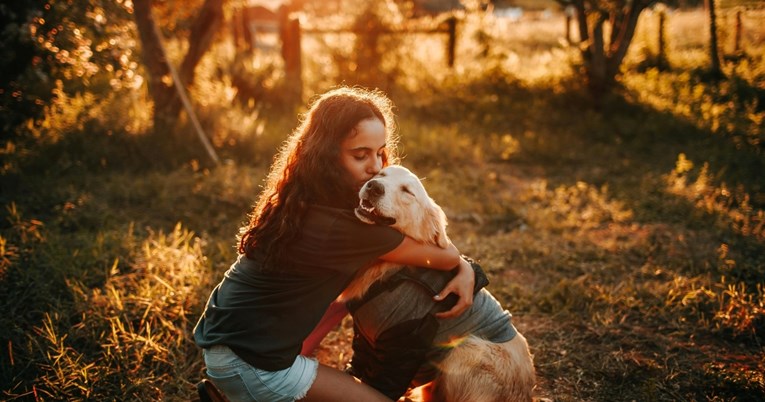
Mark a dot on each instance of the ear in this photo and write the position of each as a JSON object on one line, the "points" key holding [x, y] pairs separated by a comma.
{"points": [[437, 225]]}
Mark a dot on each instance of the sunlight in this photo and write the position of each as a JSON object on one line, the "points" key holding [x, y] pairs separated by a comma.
{"points": [[453, 342], [732, 206], [627, 220]]}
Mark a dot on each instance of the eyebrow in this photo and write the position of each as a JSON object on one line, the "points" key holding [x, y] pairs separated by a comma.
{"points": [[365, 148]]}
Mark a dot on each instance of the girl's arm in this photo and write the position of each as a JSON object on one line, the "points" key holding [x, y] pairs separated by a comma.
{"points": [[413, 253], [333, 316]]}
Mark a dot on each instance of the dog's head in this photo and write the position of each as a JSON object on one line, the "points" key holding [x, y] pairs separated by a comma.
{"points": [[397, 198]]}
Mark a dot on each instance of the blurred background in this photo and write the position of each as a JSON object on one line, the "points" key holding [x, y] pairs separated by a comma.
{"points": [[603, 160], [237, 59]]}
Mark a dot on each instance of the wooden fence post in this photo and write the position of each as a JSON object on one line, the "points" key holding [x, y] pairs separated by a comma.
{"points": [[451, 24], [737, 43], [662, 57], [569, 12], [568, 28], [714, 54], [291, 53]]}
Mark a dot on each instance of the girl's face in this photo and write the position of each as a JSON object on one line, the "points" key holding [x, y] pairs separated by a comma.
{"points": [[361, 153]]}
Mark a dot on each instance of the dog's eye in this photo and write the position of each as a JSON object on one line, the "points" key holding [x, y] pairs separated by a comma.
{"points": [[406, 190]]}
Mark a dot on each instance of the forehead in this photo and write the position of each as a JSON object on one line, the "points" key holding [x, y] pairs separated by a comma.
{"points": [[368, 133], [399, 173]]}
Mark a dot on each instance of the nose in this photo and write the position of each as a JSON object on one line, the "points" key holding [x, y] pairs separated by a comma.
{"points": [[376, 165], [375, 188]]}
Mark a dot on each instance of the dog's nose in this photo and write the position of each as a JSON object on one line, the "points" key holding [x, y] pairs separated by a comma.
{"points": [[375, 189]]}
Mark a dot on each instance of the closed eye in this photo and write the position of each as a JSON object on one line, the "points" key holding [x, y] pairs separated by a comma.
{"points": [[406, 190]]}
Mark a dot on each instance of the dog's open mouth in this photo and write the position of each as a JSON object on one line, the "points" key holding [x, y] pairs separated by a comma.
{"points": [[367, 212]]}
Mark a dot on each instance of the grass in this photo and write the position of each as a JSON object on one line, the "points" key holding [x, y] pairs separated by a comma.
{"points": [[626, 237]]}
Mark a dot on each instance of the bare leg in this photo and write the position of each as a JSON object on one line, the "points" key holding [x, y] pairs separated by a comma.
{"points": [[332, 385]]}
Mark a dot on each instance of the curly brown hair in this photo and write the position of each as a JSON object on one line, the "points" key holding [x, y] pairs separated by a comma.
{"points": [[307, 169]]}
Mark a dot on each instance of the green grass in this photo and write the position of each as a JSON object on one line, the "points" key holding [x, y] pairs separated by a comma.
{"points": [[627, 237]]}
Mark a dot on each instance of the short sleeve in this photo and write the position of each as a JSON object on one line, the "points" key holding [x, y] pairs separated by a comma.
{"points": [[335, 239]]}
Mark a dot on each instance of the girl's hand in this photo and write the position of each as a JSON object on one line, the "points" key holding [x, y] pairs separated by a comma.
{"points": [[461, 285]]}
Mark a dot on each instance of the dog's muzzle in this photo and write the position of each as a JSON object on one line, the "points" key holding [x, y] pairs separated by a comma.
{"points": [[370, 193]]}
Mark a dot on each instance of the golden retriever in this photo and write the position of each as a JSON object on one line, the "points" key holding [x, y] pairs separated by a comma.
{"points": [[476, 370]]}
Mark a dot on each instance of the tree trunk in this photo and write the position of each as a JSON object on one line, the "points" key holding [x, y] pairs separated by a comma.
{"points": [[627, 27], [160, 87], [584, 35], [167, 105], [201, 37], [597, 73], [626, 31], [602, 61]]}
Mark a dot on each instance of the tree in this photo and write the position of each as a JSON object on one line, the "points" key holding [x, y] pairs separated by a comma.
{"points": [[602, 57], [51, 49], [167, 104]]}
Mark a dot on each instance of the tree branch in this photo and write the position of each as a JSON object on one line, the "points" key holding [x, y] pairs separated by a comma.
{"points": [[625, 36], [202, 33]]}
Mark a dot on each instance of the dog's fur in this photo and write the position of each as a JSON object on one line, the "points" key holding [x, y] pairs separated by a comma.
{"points": [[396, 197], [476, 370]]}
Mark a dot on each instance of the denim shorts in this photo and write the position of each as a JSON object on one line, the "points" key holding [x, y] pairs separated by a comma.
{"points": [[240, 382]]}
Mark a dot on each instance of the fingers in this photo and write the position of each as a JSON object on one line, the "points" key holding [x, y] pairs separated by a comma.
{"points": [[462, 286], [452, 287], [462, 305]]}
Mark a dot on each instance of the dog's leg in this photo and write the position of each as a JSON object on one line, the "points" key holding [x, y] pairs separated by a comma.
{"points": [[366, 278]]}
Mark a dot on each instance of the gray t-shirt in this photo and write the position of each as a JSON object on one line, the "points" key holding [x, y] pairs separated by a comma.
{"points": [[264, 316]]}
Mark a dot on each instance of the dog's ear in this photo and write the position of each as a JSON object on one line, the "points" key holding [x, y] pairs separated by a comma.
{"points": [[437, 225]]}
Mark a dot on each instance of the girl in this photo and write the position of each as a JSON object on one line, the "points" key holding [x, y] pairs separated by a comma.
{"points": [[300, 249]]}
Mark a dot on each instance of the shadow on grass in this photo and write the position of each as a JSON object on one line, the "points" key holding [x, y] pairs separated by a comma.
{"points": [[657, 351]]}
